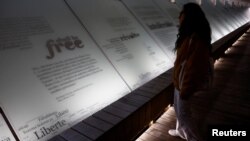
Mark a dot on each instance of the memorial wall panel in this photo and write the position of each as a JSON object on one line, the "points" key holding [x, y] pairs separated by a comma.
{"points": [[52, 73], [223, 13], [215, 22], [161, 26], [7, 133], [169, 8], [134, 54]]}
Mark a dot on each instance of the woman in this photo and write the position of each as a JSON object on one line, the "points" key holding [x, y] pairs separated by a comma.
{"points": [[193, 47]]}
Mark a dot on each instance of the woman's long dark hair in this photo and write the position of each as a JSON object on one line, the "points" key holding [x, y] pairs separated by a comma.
{"points": [[194, 21]]}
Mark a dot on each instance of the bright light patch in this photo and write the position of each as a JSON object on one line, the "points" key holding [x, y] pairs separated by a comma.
{"points": [[172, 1], [218, 62], [151, 122], [227, 51], [236, 42]]}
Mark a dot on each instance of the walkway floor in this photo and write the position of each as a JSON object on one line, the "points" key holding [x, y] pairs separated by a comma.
{"points": [[228, 103]]}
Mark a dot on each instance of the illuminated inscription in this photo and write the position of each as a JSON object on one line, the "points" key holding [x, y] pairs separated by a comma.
{"points": [[69, 42], [44, 131]]}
